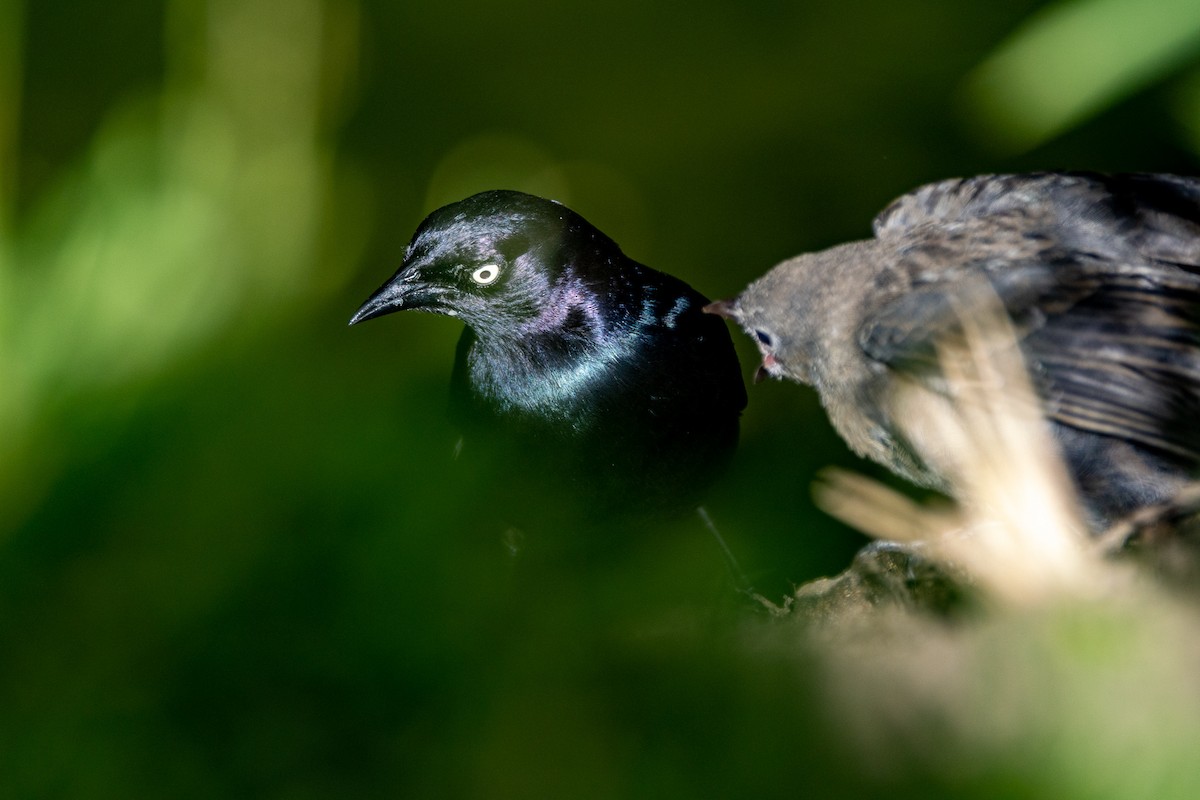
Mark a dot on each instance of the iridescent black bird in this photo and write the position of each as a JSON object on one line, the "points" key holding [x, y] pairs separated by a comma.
{"points": [[595, 374], [1100, 274]]}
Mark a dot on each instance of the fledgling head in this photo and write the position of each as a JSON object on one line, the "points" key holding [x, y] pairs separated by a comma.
{"points": [[771, 311], [491, 260], [804, 314]]}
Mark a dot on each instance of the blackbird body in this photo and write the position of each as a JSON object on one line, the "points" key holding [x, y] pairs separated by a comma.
{"points": [[1100, 275], [579, 369]]}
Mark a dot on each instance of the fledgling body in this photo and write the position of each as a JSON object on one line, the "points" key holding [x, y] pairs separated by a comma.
{"points": [[1100, 275], [582, 369]]}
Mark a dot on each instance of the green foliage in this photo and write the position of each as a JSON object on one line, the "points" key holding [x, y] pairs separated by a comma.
{"points": [[235, 556], [190, 210], [1076, 58]]}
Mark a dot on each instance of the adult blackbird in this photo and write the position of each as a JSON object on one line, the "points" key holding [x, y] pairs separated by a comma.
{"points": [[1100, 274], [579, 368]]}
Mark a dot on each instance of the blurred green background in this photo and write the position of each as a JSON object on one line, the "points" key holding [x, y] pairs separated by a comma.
{"points": [[235, 558]]}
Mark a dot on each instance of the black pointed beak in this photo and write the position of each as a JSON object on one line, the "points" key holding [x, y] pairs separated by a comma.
{"points": [[387, 298], [723, 308], [403, 291]]}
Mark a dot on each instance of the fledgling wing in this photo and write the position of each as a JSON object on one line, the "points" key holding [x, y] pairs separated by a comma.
{"points": [[1156, 217], [1100, 274]]}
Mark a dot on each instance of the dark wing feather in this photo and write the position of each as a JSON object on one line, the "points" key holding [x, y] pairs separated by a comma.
{"points": [[903, 333], [1100, 273], [1124, 360], [1156, 217]]}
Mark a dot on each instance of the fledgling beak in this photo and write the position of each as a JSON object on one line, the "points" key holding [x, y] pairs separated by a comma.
{"points": [[766, 369], [723, 308]]}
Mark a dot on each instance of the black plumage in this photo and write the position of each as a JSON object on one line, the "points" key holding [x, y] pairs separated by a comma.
{"points": [[583, 369], [1100, 274]]}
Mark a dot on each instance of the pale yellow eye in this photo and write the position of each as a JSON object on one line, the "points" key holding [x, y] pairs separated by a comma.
{"points": [[486, 274]]}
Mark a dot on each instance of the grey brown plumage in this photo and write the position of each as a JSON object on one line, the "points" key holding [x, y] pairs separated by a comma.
{"points": [[1100, 274]]}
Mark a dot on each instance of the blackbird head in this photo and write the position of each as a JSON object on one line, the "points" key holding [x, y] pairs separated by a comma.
{"points": [[494, 260]]}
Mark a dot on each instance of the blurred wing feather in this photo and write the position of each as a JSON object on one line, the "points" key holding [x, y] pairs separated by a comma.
{"points": [[1100, 274]]}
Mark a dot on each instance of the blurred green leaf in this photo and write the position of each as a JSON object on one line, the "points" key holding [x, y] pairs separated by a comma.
{"points": [[1073, 60], [193, 212]]}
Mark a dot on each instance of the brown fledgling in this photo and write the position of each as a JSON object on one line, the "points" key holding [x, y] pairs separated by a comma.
{"points": [[1100, 275]]}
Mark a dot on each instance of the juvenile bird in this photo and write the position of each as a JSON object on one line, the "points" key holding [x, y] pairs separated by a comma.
{"points": [[1100, 275], [588, 371]]}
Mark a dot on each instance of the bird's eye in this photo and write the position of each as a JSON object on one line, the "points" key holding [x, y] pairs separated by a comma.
{"points": [[762, 337], [486, 274]]}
